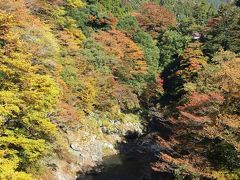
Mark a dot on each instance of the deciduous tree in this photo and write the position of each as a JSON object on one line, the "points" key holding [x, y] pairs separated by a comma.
{"points": [[154, 18]]}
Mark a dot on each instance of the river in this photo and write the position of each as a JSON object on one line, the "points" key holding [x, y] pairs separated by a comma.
{"points": [[127, 167]]}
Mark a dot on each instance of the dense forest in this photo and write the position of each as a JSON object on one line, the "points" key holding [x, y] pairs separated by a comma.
{"points": [[78, 76]]}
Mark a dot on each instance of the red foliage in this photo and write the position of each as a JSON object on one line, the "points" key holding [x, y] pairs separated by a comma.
{"points": [[193, 117], [159, 81], [201, 106], [196, 100]]}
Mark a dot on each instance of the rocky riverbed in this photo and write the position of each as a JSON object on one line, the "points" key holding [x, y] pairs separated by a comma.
{"points": [[85, 150], [136, 152], [118, 151]]}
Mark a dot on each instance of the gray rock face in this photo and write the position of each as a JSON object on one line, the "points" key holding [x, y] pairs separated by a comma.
{"points": [[84, 153], [88, 153], [75, 147], [61, 175], [85, 149]]}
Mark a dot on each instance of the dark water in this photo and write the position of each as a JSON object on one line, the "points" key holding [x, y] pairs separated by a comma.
{"points": [[126, 167]]}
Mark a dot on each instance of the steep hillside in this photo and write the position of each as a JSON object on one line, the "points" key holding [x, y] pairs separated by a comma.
{"points": [[79, 80]]}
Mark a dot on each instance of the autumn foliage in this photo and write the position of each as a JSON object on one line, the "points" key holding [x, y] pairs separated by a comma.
{"points": [[26, 98], [126, 51], [154, 18], [72, 69]]}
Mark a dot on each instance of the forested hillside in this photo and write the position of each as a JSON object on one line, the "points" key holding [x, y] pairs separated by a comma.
{"points": [[78, 76]]}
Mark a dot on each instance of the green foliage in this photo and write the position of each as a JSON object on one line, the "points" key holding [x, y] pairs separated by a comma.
{"points": [[179, 76], [83, 88], [223, 56], [188, 25], [201, 10], [109, 76], [95, 56], [117, 7], [98, 18], [171, 44], [98, 14], [81, 19], [237, 3], [218, 37], [217, 3], [151, 52], [130, 25], [224, 155]]}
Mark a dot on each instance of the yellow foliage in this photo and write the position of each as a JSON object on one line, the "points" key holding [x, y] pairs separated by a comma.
{"points": [[10, 159], [75, 3], [228, 80], [230, 76], [6, 21], [9, 104], [39, 123], [88, 93], [72, 39], [27, 96], [40, 92]]}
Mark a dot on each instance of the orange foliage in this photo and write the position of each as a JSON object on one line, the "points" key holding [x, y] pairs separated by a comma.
{"points": [[154, 18], [129, 55], [68, 113], [34, 33], [212, 23], [110, 21], [105, 98], [191, 61], [201, 106], [7, 37], [228, 80], [120, 45], [192, 117]]}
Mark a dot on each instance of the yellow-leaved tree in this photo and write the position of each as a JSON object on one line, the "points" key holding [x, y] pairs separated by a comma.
{"points": [[27, 98], [75, 3]]}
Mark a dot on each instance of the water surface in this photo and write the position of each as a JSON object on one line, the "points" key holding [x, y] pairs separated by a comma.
{"points": [[126, 167]]}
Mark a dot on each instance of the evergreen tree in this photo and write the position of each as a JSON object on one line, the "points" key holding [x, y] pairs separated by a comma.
{"points": [[225, 32]]}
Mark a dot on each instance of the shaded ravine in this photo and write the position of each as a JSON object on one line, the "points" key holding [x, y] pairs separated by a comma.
{"points": [[136, 154], [126, 167]]}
